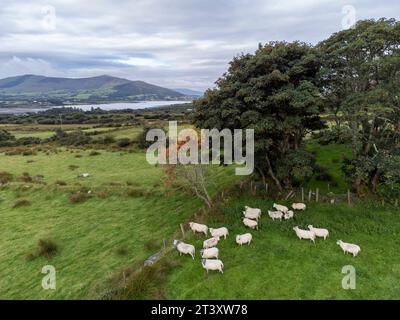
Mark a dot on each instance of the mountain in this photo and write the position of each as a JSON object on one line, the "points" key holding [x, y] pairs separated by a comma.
{"points": [[189, 92], [99, 89]]}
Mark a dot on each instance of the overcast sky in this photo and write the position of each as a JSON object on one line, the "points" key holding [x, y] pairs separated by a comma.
{"points": [[172, 43]]}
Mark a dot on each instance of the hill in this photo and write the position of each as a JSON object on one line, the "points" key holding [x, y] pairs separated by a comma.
{"points": [[189, 92], [50, 90]]}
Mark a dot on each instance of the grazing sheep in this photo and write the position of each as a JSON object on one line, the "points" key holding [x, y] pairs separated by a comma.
{"points": [[220, 232], [197, 227], [299, 206], [288, 215], [349, 247], [184, 248], [209, 253], [275, 215], [280, 208], [322, 233], [212, 265], [84, 175], [252, 215], [250, 223], [209, 243], [244, 238], [304, 234]]}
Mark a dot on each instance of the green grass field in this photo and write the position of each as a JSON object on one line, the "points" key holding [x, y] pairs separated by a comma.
{"points": [[88, 235], [277, 265]]}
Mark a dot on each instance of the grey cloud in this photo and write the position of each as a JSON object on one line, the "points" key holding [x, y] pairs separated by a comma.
{"points": [[174, 43]]}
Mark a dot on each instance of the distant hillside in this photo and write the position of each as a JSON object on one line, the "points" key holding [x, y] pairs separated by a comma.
{"points": [[189, 92], [50, 90]]}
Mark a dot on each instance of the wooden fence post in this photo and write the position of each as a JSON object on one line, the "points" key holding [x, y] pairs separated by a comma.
{"points": [[317, 195], [396, 203], [309, 195], [183, 231], [302, 194], [348, 197], [266, 188]]}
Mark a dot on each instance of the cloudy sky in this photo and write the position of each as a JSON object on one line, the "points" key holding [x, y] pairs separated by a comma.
{"points": [[172, 43]]}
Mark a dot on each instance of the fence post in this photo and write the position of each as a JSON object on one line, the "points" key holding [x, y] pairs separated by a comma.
{"points": [[348, 197], [302, 194], [183, 231], [266, 188], [309, 195], [317, 195], [396, 203]]}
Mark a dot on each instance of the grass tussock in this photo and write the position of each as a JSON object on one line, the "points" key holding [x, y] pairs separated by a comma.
{"points": [[79, 197], [21, 203], [5, 177], [46, 248]]}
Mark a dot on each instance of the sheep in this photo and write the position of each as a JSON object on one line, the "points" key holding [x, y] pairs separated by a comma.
{"points": [[322, 233], [349, 247], [251, 215], [299, 206], [244, 238], [304, 234], [250, 223], [197, 227], [288, 215], [280, 208], [212, 265], [184, 248], [219, 232], [275, 215], [209, 253], [209, 243], [84, 175]]}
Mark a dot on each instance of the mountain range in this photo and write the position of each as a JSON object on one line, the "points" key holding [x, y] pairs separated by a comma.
{"points": [[28, 89]]}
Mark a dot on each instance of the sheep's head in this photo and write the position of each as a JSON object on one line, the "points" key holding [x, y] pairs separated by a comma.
{"points": [[339, 242], [296, 228], [246, 207], [310, 226], [238, 238], [176, 242], [191, 224], [211, 230], [203, 262]]}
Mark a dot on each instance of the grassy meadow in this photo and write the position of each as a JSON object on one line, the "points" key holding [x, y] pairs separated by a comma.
{"points": [[127, 212]]}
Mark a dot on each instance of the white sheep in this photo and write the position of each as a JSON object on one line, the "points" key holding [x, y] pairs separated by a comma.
{"points": [[275, 215], [220, 232], [184, 248], [280, 208], [250, 223], [299, 206], [288, 215], [251, 215], [212, 265], [209, 243], [197, 227], [304, 234], [209, 253], [349, 247], [244, 238], [319, 232]]}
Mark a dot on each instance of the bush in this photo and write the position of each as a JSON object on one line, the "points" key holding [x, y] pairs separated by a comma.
{"points": [[72, 167], [5, 177], [25, 178], [21, 203], [75, 138], [61, 183], [142, 143], [94, 153], [322, 174], [28, 141]]}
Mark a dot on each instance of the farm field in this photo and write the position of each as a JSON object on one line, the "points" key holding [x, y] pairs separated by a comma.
{"points": [[127, 211]]}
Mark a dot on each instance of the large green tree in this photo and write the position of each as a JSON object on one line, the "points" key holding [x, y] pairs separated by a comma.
{"points": [[361, 78], [275, 92]]}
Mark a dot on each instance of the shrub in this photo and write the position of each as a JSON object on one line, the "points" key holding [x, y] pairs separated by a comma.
{"points": [[28, 141], [25, 178], [321, 173], [78, 197], [21, 203], [61, 183], [5, 177], [141, 141], [73, 167], [94, 153], [75, 138]]}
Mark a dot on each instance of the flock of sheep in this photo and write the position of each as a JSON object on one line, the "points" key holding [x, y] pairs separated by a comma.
{"points": [[209, 254]]}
